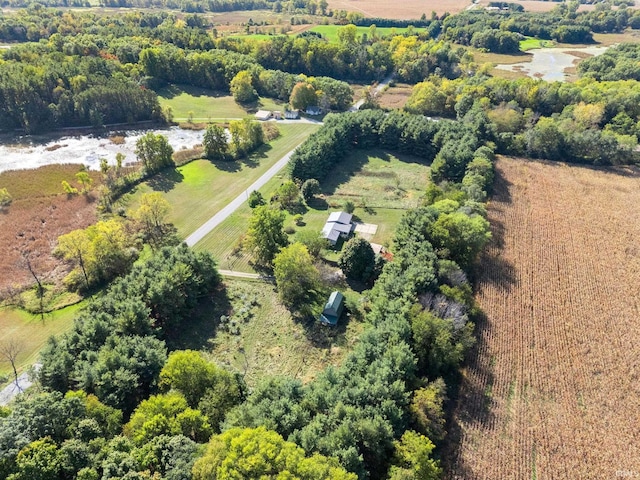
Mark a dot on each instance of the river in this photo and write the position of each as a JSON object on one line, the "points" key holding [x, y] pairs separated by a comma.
{"points": [[35, 151], [550, 63]]}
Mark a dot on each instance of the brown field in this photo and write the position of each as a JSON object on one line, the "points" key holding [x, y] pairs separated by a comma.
{"points": [[396, 96], [40, 212], [407, 9], [552, 390]]}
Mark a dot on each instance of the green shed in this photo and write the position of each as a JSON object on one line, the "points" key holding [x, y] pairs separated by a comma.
{"points": [[333, 309]]}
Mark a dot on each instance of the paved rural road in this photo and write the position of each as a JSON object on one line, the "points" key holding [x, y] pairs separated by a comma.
{"points": [[223, 214], [10, 391]]}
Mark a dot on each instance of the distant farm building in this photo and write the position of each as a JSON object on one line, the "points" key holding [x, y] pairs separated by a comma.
{"points": [[263, 115], [291, 114], [332, 309], [338, 224], [314, 111], [277, 115]]}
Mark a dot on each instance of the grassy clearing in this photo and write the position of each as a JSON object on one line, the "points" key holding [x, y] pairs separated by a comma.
{"points": [[531, 43], [202, 104], [261, 339], [382, 186], [330, 32], [198, 190], [31, 333]]}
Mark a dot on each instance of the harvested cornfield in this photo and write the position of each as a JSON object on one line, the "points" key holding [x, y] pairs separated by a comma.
{"points": [[552, 390]]}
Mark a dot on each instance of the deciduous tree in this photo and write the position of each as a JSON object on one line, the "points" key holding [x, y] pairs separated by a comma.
{"points": [[297, 279], [154, 152], [266, 236]]}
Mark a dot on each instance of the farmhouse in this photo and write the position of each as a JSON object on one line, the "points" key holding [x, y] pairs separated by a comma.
{"points": [[313, 111], [332, 309], [291, 114], [263, 115], [338, 224]]}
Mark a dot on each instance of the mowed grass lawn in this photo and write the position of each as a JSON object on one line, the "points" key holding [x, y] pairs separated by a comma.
{"points": [[381, 185], [199, 189], [208, 105], [330, 32], [260, 338], [31, 333]]}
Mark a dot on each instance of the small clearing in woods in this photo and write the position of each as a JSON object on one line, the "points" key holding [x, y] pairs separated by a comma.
{"points": [[552, 389]]}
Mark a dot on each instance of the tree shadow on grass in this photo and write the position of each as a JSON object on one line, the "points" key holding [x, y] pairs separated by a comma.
{"points": [[166, 180], [173, 90], [201, 327], [344, 171], [318, 203], [320, 335]]}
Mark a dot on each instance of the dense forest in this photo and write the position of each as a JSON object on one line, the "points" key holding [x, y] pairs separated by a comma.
{"points": [[120, 397]]}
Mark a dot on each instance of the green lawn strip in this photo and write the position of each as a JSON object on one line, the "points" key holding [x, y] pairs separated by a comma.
{"points": [[207, 105], [31, 333], [330, 32], [260, 338], [199, 189], [530, 43], [387, 184]]}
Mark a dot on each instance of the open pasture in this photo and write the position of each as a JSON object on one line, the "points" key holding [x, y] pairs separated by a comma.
{"points": [[552, 388]]}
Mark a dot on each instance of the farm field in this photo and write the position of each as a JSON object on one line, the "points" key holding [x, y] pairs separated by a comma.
{"points": [[552, 387], [261, 339], [201, 188], [396, 96], [207, 105], [409, 9], [381, 186]]}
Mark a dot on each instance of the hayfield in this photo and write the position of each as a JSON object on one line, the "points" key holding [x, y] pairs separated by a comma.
{"points": [[408, 9], [552, 389]]}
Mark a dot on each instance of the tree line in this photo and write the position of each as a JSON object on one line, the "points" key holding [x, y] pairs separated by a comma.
{"points": [[500, 31], [586, 121]]}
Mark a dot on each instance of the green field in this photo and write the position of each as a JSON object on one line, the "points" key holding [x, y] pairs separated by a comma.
{"points": [[31, 333], [330, 32], [206, 105], [381, 185], [199, 189], [530, 43], [261, 339]]}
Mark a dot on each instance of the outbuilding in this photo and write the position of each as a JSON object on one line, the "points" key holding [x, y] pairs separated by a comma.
{"points": [[333, 309], [263, 115]]}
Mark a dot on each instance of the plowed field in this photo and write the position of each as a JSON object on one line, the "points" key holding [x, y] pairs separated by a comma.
{"points": [[553, 387]]}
